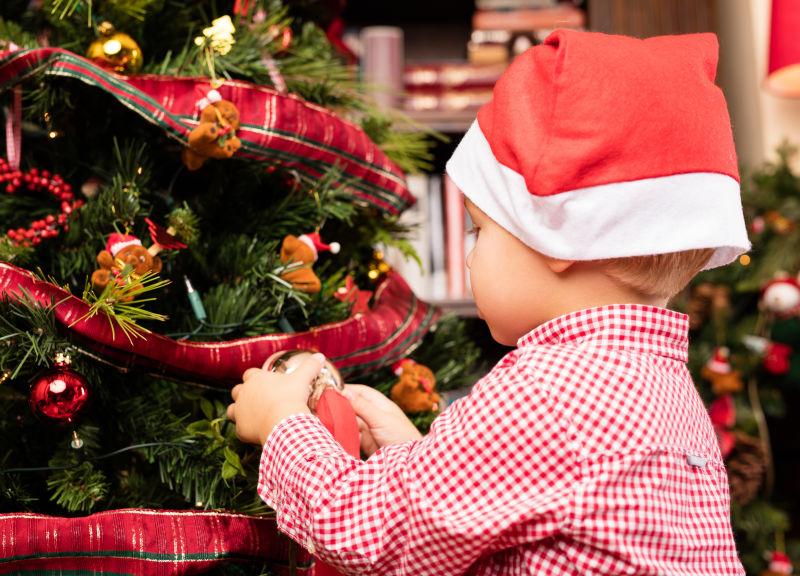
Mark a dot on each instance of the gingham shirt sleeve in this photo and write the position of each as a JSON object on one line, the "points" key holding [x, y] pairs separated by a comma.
{"points": [[492, 461]]}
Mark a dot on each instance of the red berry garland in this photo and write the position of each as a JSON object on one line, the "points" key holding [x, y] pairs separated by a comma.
{"points": [[35, 180]]}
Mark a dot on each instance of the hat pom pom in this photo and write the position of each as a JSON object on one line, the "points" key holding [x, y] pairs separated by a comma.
{"points": [[335, 247]]}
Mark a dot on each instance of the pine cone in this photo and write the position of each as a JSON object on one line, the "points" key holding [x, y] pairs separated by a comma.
{"points": [[746, 466]]}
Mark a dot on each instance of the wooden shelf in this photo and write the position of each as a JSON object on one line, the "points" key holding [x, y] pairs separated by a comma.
{"points": [[461, 306], [450, 122]]}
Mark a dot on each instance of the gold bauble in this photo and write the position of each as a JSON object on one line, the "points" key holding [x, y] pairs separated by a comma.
{"points": [[115, 51]]}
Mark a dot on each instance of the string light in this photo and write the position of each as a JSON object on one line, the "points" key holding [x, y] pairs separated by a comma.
{"points": [[744, 260]]}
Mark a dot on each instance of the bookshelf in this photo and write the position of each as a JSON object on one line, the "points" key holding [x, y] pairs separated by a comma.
{"points": [[461, 306], [452, 51]]}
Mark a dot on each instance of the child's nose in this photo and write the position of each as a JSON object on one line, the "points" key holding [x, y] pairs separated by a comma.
{"points": [[469, 259]]}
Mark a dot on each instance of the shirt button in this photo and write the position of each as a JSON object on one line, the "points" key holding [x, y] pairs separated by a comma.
{"points": [[696, 461]]}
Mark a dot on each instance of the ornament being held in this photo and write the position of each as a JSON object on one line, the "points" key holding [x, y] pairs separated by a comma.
{"points": [[415, 389], [60, 393], [718, 371], [115, 51], [288, 361]]}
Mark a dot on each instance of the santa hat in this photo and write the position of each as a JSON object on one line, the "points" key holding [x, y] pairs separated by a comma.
{"points": [[780, 563], [314, 241], [597, 146], [117, 242], [719, 361]]}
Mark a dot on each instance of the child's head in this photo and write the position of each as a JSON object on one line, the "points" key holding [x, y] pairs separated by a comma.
{"points": [[605, 169]]}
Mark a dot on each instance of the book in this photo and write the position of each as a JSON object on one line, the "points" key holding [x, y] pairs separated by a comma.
{"points": [[447, 99], [440, 75], [454, 241], [513, 4], [526, 20], [440, 238], [437, 235]]}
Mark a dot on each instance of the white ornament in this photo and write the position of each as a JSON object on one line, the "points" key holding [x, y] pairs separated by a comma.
{"points": [[781, 296]]}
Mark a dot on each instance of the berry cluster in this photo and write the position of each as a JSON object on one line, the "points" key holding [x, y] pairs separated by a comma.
{"points": [[35, 180]]}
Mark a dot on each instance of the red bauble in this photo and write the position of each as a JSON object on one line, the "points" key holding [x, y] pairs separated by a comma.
{"points": [[59, 394], [777, 359]]}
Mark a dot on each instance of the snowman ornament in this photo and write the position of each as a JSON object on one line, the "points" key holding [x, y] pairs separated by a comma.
{"points": [[781, 295]]}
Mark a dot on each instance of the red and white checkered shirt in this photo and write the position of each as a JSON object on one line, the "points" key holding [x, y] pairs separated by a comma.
{"points": [[586, 450]]}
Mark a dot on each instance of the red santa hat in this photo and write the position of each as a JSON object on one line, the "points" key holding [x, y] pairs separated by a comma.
{"points": [[719, 361], [314, 241], [780, 563], [117, 242], [597, 146]]}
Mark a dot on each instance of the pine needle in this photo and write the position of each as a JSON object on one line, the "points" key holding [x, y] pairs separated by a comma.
{"points": [[122, 304]]}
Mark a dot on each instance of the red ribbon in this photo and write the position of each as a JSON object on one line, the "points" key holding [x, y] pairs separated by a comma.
{"points": [[14, 129]]}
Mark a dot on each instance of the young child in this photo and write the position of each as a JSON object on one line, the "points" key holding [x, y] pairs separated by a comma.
{"points": [[601, 178]]}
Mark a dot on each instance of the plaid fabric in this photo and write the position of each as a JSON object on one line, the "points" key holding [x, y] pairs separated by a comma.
{"points": [[143, 542], [586, 450], [275, 128], [397, 321]]}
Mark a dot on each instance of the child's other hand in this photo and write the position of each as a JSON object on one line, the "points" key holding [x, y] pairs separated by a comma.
{"points": [[265, 398], [380, 421]]}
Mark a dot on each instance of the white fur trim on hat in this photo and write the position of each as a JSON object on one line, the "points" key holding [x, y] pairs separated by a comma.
{"points": [[117, 246], [636, 218], [305, 239]]}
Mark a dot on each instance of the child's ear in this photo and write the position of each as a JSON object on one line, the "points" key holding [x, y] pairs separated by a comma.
{"points": [[557, 265]]}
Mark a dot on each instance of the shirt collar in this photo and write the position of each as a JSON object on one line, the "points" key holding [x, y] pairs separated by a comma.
{"points": [[636, 327]]}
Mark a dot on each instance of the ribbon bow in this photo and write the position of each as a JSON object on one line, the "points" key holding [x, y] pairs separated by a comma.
{"points": [[219, 35]]}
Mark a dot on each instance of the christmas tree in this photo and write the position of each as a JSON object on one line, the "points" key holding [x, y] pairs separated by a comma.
{"points": [[187, 188], [745, 356]]}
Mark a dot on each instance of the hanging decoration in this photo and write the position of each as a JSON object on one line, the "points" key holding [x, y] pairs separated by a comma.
{"points": [[414, 390], [350, 292], [718, 371], [298, 253], [781, 295], [37, 181], [124, 250], [60, 393], [115, 51], [779, 564], [215, 135], [723, 417]]}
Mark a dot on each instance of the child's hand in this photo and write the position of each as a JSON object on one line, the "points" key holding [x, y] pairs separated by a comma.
{"points": [[265, 398], [380, 421]]}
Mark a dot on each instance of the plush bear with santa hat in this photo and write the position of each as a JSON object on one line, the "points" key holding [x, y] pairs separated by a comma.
{"points": [[298, 253], [123, 250]]}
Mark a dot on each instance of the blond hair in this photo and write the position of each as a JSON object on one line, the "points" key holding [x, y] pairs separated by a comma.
{"points": [[661, 275]]}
